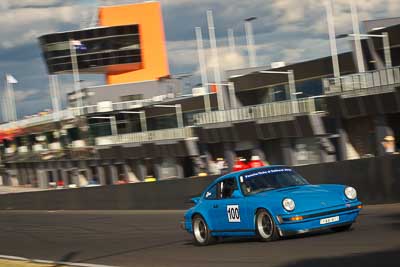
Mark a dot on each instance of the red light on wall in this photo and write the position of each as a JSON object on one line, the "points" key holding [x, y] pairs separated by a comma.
{"points": [[213, 88]]}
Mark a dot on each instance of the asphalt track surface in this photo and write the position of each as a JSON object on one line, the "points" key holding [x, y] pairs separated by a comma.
{"points": [[153, 238]]}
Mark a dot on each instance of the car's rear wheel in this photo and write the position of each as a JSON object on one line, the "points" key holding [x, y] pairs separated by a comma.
{"points": [[265, 226], [342, 228], [201, 232]]}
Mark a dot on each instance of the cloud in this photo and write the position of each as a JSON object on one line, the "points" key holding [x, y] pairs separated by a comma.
{"points": [[25, 94], [12, 4], [285, 30], [184, 53], [232, 60], [23, 22]]}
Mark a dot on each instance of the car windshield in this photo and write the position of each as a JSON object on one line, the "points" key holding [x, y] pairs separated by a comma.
{"points": [[269, 179]]}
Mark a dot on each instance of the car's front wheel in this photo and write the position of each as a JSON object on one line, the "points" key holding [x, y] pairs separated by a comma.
{"points": [[265, 226], [201, 232]]}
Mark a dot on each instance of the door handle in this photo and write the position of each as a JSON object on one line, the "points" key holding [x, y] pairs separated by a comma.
{"points": [[215, 206]]}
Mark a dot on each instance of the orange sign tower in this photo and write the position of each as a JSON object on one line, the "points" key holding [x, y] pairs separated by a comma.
{"points": [[152, 40]]}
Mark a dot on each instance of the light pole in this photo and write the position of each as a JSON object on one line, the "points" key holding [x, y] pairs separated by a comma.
{"points": [[356, 31], [231, 40], [214, 51], [386, 45], [179, 115], [203, 70], [250, 41], [75, 71], [142, 114], [332, 38], [113, 123]]}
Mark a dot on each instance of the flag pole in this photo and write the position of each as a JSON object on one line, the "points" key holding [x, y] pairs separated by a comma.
{"points": [[13, 108], [54, 95], [5, 100], [10, 80], [13, 103], [2, 107], [8, 100], [75, 71]]}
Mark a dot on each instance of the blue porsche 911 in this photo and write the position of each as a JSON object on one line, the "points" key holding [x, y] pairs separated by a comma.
{"points": [[269, 202]]}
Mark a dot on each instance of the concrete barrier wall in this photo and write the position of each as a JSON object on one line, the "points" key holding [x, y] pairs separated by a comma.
{"points": [[376, 179]]}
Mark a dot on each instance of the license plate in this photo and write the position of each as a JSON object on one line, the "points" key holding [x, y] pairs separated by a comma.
{"points": [[329, 220]]}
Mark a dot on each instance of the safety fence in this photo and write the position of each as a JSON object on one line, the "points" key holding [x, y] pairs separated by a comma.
{"points": [[39, 119], [141, 137], [268, 110], [367, 83], [72, 112]]}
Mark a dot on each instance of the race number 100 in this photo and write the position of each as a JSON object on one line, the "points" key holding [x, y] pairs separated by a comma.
{"points": [[233, 213]]}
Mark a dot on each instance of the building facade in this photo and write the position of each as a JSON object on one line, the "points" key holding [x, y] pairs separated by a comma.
{"points": [[133, 131]]}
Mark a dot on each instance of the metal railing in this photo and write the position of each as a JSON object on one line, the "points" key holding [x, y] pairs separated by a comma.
{"points": [[142, 137], [268, 110], [47, 154], [74, 112], [37, 120], [371, 81], [65, 114]]}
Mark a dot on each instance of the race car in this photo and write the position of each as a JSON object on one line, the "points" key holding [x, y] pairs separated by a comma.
{"points": [[269, 203]]}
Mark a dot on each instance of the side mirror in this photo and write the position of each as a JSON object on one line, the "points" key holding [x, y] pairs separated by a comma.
{"points": [[236, 194]]}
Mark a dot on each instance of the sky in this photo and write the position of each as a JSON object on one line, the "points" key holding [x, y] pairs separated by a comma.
{"points": [[285, 30]]}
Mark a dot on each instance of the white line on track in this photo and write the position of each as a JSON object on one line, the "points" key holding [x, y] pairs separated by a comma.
{"points": [[77, 264]]}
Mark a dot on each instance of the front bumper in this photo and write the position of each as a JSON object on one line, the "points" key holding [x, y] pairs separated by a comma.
{"points": [[312, 222]]}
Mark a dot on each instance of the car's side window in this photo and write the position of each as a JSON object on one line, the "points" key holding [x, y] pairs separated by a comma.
{"points": [[227, 187], [212, 193]]}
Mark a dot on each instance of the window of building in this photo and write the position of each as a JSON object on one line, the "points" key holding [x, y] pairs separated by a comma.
{"points": [[279, 92], [74, 134], [309, 88], [131, 97]]}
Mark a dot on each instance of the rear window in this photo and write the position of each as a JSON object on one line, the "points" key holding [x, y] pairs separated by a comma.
{"points": [[211, 193]]}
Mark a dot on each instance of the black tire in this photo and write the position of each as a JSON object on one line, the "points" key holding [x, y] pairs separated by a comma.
{"points": [[342, 228], [201, 233], [265, 226]]}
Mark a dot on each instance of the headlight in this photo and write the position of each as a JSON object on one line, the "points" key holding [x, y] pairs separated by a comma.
{"points": [[350, 193], [288, 204]]}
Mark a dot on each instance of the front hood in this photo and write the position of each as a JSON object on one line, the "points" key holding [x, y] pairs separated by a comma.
{"points": [[310, 197]]}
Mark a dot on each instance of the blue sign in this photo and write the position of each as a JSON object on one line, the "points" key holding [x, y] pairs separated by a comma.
{"points": [[268, 171]]}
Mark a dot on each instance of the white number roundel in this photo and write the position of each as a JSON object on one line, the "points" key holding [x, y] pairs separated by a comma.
{"points": [[233, 213]]}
